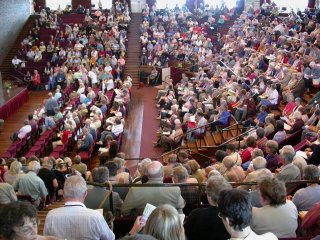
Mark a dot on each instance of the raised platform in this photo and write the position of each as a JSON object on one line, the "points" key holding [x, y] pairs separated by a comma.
{"points": [[11, 100]]}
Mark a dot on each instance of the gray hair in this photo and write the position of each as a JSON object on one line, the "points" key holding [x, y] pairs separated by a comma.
{"points": [[259, 163], [164, 223], [142, 166], [47, 163], [257, 153], [272, 145], [74, 187], [15, 167], [228, 162], [180, 173], [77, 159], [34, 166], [311, 172], [67, 161], [216, 184], [287, 153], [155, 170], [119, 162], [100, 174]]}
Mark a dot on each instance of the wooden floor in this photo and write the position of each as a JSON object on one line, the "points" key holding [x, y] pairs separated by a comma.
{"points": [[15, 121], [134, 123]]}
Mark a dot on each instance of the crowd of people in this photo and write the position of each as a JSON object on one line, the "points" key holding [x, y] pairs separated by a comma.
{"points": [[261, 61], [94, 49], [265, 212]]}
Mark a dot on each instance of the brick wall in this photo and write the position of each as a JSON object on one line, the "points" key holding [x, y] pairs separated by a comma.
{"points": [[13, 15]]}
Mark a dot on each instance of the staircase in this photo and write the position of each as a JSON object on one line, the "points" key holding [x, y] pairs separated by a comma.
{"points": [[133, 49], [6, 67], [43, 213], [206, 147]]}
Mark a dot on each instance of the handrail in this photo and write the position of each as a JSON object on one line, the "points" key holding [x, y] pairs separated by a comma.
{"points": [[200, 186], [167, 153], [194, 184], [202, 155], [193, 129], [234, 138], [16, 70]]}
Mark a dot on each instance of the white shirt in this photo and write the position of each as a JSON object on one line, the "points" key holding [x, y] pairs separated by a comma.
{"points": [[16, 61], [24, 130], [273, 97], [254, 236], [117, 129], [110, 85], [75, 221], [93, 77]]}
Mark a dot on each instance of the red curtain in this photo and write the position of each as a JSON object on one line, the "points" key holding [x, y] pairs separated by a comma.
{"points": [[39, 4], [85, 3]]}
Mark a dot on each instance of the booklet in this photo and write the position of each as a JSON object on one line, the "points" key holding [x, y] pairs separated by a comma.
{"points": [[146, 212]]}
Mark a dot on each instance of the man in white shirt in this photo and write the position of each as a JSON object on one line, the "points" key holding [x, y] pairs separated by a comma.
{"points": [[93, 76], [16, 62], [74, 220], [25, 129]]}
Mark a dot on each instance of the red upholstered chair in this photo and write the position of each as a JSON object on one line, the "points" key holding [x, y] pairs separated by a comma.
{"points": [[59, 151], [86, 155]]}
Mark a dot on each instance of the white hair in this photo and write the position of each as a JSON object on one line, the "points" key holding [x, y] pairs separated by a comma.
{"points": [[34, 166], [259, 162], [74, 187]]}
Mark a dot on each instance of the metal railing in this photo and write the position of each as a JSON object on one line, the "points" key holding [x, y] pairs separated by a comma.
{"points": [[200, 190]]}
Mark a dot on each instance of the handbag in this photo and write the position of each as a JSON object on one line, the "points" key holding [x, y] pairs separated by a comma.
{"points": [[108, 216]]}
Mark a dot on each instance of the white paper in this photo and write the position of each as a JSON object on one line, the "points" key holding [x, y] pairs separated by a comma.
{"points": [[146, 212]]}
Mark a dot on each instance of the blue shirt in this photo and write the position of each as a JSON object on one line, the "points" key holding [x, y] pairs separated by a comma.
{"points": [[262, 116], [224, 117], [49, 123]]}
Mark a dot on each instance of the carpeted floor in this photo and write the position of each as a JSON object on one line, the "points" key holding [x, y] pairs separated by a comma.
{"points": [[150, 124]]}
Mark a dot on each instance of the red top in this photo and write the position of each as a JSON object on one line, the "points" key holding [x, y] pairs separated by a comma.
{"points": [[36, 79], [65, 136]]}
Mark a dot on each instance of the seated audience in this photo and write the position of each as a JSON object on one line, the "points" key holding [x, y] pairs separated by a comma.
{"points": [[163, 223], [234, 173], [95, 198], [235, 210], [137, 197], [7, 193], [288, 171], [14, 171], [277, 215], [21, 222], [30, 184], [306, 198], [201, 221]]}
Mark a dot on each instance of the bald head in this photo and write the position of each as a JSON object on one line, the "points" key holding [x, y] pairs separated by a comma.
{"points": [[155, 170]]}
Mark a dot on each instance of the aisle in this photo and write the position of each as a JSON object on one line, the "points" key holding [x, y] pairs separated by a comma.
{"points": [[15, 121], [150, 124]]}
